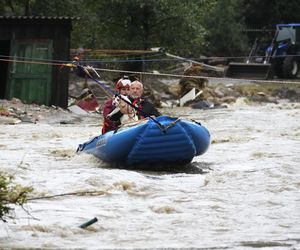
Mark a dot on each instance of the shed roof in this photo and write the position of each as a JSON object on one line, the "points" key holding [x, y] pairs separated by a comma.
{"points": [[39, 18]]}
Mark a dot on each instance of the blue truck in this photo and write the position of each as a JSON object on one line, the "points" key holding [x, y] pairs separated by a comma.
{"points": [[281, 57]]}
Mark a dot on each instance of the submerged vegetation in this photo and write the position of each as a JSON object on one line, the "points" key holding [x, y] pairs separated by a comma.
{"points": [[11, 194]]}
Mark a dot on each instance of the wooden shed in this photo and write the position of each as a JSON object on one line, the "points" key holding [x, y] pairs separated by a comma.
{"points": [[31, 51]]}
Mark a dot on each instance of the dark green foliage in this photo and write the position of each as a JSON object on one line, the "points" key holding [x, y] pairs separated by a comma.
{"points": [[224, 25], [264, 13], [188, 28], [141, 24], [56, 7]]}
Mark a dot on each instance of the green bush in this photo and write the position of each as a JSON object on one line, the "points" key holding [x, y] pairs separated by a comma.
{"points": [[11, 194]]}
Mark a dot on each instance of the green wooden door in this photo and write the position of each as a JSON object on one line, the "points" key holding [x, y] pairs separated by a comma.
{"points": [[30, 81]]}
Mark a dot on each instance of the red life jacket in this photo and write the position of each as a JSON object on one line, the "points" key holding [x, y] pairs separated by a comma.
{"points": [[108, 124]]}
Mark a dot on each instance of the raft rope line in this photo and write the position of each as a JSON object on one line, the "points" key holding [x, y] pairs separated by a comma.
{"points": [[64, 63], [172, 124], [197, 77], [174, 58], [147, 53], [43, 62]]}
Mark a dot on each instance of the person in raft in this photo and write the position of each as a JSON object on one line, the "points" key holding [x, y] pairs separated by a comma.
{"points": [[123, 88], [137, 99]]}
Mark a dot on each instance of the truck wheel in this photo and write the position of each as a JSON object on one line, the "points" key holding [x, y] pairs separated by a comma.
{"points": [[278, 68], [290, 67]]}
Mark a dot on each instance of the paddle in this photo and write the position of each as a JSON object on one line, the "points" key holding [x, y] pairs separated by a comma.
{"points": [[110, 93]]}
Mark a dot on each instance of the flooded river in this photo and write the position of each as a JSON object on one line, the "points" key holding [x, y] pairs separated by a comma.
{"points": [[245, 194]]}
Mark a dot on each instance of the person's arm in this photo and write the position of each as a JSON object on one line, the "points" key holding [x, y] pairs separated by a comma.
{"points": [[115, 117], [149, 109], [108, 109]]}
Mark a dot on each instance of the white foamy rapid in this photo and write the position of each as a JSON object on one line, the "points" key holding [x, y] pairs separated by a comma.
{"points": [[247, 197]]}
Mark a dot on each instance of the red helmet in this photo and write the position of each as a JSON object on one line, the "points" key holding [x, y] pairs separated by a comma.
{"points": [[123, 83]]}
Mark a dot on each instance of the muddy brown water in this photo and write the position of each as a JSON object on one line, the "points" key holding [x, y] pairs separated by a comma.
{"points": [[243, 193]]}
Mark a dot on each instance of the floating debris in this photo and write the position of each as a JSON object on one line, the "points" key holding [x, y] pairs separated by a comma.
{"points": [[88, 223]]}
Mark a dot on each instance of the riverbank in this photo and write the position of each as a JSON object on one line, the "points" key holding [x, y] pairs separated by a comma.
{"points": [[213, 95]]}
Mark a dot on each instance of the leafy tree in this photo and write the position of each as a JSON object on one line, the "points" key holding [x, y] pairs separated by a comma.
{"points": [[187, 28], [224, 25], [57, 7], [260, 14], [142, 24], [13, 7]]}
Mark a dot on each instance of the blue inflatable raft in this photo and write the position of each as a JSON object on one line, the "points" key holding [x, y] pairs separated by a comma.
{"points": [[169, 140]]}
